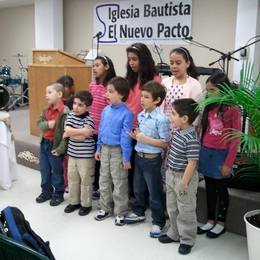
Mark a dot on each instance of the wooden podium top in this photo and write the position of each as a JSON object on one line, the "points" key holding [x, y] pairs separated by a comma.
{"points": [[55, 57]]}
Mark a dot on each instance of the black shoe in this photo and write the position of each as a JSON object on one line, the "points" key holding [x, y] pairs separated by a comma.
{"points": [[184, 249], [211, 234], [83, 211], [43, 197], [55, 201], [70, 208], [201, 231], [166, 239]]}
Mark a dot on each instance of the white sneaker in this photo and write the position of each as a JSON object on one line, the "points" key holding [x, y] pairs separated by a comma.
{"points": [[155, 231], [101, 215], [119, 220], [131, 217]]}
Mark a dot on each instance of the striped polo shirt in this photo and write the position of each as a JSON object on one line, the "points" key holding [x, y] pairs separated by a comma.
{"points": [[184, 147], [81, 149]]}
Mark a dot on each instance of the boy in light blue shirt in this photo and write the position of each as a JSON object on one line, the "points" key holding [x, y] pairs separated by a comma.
{"points": [[114, 150], [152, 136]]}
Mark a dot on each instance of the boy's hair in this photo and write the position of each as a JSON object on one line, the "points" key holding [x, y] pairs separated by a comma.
{"points": [[121, 86], [57, 87], [85, 97], [156, 89], [186, 107]]}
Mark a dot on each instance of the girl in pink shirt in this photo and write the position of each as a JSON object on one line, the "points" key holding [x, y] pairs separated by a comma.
{"points": [[217, 155], [140, 69], [103, 70]]}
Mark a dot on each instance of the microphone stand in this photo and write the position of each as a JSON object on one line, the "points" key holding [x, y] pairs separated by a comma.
{"points": [[228, 55], [98, 37], [224, 56]]}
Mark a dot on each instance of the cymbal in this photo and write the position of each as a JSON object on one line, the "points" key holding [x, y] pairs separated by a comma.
{"points": [[18, 55]]}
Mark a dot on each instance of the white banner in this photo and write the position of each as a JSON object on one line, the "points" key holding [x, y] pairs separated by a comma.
{"points": [[131, 21]]}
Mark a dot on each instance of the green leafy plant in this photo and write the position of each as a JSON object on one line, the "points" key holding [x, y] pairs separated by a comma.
{"points": [[246, 95]]}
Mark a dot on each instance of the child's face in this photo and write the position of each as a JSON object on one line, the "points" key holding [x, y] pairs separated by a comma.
{"points": [[53, 97], [178, 65], [113, 97], [79, 107], [68, 91], [177, 120], [147, 101], [212, 90], [133, 61], [100, 70]]}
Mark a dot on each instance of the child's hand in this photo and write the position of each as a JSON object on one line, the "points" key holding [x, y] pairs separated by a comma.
{"points": [[54, 152], [65, 135], [51, 124], [140, 137], [126, 166], [97, 156], [225, 170], [133, 134], [184, 184], [88, 131]]}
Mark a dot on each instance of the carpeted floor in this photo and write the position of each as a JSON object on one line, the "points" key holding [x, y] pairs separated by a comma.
{"points": [[26, 145]]}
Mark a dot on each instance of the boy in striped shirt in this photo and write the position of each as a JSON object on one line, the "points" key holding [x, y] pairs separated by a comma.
{"points": [[182, 177], [81, 149]]}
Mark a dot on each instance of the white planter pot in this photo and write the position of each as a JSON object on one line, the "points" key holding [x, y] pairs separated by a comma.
{"points": [[253, 237]]}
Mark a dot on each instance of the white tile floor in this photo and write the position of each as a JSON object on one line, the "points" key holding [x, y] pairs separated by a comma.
{"points": [[80, 238]]}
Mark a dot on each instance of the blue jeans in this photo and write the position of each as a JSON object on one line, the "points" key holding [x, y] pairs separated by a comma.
{"points": [[52, 182], [148, 175]]}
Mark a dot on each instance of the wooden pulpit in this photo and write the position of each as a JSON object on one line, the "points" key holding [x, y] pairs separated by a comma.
{"points": [[47, 67]]}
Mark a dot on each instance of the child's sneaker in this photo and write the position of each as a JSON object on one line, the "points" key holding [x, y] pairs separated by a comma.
{"points": [[131, 217], [101, 215], [155, 231], [119, 220]]}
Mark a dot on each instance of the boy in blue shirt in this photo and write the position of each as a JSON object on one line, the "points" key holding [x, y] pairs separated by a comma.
{"points": [[152, 136], [114, 151]]}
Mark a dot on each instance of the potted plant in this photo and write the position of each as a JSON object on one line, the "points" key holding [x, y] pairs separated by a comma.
{"points": [[247, 96]]}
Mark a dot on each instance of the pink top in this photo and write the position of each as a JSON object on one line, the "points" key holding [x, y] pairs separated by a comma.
{"points": [[214, 137], [98, 92], [134, 99]]}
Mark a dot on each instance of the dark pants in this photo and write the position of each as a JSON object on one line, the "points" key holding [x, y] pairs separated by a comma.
{"points": [[217, 198], [97, 169], [148, 175], [52, 181]]}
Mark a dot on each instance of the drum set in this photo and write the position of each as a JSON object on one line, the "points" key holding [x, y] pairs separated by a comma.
{"points": [[13, 91]]}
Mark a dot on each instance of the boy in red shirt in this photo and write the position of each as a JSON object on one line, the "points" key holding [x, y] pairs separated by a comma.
{"points": [[53, 146]]}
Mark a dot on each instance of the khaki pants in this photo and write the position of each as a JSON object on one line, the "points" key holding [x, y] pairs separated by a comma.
{"points": [[80, 176], [181, 207], [113, 181]]}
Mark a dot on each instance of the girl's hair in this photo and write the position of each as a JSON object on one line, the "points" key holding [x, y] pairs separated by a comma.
{"points": [[146, 65], [111, 70], [67, 81], [192, 71], [216, 79]]}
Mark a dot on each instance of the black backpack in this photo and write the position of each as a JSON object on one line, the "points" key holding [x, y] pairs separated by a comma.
{"points": [[14, 225]]}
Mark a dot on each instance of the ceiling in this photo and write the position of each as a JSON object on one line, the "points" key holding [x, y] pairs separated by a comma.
{"points": [[13, 3]]}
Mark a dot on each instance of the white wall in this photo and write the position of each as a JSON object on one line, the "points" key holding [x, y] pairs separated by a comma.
{"points": [[248, 14], [16, 36]]}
